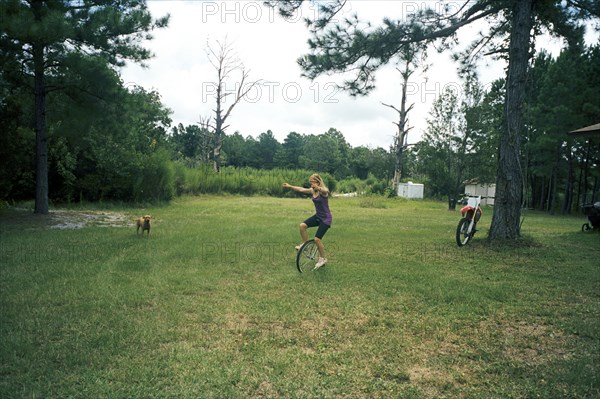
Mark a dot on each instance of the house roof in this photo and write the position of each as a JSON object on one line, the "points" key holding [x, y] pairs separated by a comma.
{"points": [[588, 131], [477, 182]]}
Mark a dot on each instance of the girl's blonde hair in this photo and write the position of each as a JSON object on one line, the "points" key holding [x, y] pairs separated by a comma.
{"points": [[317, 177]]}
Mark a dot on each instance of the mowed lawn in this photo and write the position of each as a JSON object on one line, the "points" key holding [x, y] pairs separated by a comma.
{"points": [[211, 305]]}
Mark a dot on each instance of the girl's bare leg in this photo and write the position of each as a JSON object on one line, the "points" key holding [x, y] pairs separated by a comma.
{"points": [[304, 232], [320, 247]]}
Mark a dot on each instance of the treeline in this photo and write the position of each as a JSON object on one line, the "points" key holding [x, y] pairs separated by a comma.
{"points": [[112, 141], [328, 152], [560, 171], [563, 95]]}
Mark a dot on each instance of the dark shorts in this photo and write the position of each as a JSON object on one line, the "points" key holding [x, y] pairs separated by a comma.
{"points": [[314, 221]]}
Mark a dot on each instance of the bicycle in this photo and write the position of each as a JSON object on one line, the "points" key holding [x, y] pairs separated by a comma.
{"points": [[307, 256], [467, 226]]}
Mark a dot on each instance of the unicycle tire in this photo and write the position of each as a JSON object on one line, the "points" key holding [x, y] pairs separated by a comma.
{"points": [[307, 256]]}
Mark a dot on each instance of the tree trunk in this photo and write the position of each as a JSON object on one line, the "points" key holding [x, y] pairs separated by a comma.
{"points": [[217, 157], [552, 193], [553, 196], [41, 142], [397, 165], [217, 147], [400, 141], [568, 202], [218, 128], [541, 199], [579, 187], [533, 182], [509, 179]]}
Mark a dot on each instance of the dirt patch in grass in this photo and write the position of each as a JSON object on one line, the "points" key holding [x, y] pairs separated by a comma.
{"points": [[63, 219], [535, 344], [527, 343]]}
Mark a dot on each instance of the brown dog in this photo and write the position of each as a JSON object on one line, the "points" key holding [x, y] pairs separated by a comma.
{"points": [[144, 223]]}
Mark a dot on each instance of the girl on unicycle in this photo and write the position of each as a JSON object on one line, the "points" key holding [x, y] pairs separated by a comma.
{"points": [[321, 219]]}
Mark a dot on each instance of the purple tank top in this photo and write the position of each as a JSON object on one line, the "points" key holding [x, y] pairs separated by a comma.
{"points": [[322, 208]]}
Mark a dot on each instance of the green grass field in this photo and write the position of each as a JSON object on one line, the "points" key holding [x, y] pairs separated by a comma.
{"points": [[211, 305]]}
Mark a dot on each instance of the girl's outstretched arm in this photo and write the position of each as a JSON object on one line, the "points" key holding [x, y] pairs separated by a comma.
{"points": [[298, 189]]}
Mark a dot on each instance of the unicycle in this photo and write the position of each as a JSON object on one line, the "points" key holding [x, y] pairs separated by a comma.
{"points": [[307, 256]]}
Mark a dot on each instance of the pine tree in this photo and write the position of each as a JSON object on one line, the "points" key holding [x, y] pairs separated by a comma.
{"points": [[49, 37]]}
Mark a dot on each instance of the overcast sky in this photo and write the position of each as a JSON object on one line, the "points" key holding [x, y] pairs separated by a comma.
{"points": [[269, 47]]}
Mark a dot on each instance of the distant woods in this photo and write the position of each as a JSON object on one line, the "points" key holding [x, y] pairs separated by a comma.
{"points": [[116, 141], [106, 139]]}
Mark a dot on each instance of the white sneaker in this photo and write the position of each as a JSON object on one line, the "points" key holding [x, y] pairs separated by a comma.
{"points": [[321, 262], [298, 247]]}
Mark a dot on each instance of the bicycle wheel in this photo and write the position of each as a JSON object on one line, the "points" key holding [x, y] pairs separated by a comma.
{"points": [[307, 257], [585, 227], [462, 235]]}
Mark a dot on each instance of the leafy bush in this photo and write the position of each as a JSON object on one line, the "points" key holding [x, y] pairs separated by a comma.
{"points": [[352, 185], [370, 185]]}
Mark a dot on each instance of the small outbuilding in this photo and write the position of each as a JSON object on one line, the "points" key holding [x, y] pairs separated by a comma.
{"points": [[484, 189], [411, 190]]}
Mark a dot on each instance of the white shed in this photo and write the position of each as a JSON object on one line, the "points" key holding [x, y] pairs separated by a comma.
{"points": [[483, 189], [410, 190]]}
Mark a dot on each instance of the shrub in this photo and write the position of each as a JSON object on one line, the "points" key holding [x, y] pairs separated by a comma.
{"points": [[370, 185], [155, 180]]}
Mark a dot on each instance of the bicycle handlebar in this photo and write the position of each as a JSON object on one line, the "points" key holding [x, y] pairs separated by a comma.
{"points": [[474, 196]]}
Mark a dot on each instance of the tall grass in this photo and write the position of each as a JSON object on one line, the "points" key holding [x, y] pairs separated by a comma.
{"points": [[244, 181], [155, 178], [370, 185]]}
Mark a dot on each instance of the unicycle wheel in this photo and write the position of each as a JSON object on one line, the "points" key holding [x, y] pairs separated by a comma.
{"points": [[307, 256]]}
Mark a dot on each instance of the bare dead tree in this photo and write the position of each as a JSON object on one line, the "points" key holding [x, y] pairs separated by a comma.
{"points": [[400, 140], [207, 138], [226, 63], [410, 57]]}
